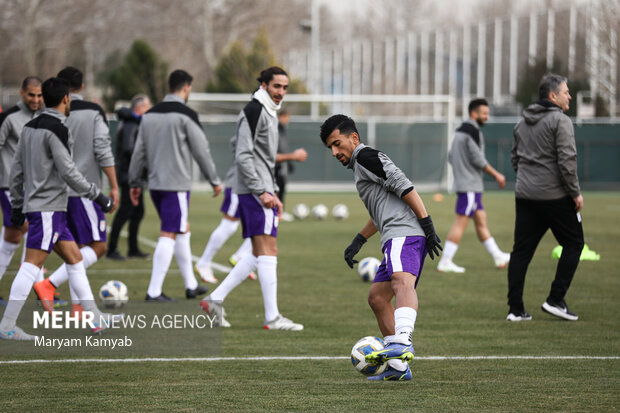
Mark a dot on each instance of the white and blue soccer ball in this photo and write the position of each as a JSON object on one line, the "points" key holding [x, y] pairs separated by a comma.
{"points": [[320, 211], [114, 294], [365, 346], [340, 211], [301, 211], [367, 268]]}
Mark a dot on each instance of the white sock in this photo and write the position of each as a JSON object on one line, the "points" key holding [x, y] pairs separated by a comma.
{"points": [[25, 239], [397, 364], [491, 247], [7, 249], [40, 276], [60, 276], [162, 256], [234, 278], [449, 249], [79, 281], [404, 321], [244, 249], [183, 254], [218, 238], [19, 293], [267, 274]]}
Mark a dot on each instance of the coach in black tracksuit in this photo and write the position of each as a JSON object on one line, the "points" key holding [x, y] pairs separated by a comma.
{"points": [[125, 142], [544, 156]]}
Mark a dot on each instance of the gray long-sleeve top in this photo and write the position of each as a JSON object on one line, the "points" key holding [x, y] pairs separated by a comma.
{"points": [[256, 150], [169, 136], [92, 148], [381, 185], [467, 158], [544, 154], [42, 166], [11, 124]]}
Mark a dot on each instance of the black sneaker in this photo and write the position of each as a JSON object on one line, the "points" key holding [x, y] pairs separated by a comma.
{"points": [[115, 255], [200, 290], [518, 316], [163, 298], [138, 254], [559, 309]]}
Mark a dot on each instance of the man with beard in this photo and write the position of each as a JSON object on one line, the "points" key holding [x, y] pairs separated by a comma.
{"points": [[468, 163], [259, 206]]}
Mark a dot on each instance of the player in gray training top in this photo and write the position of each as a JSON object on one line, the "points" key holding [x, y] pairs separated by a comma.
{"points": [[169, 136], [259, 206], [227, 227], [92, 150], [42, 167], [12, 122], [407, 234], [468, 163]]}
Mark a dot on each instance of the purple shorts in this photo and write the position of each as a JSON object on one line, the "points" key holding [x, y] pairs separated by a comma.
{"points": [[402, 254], [5, 202], [256, 219], [467, 203], [86, 220], [45, 229], [230, 206], [173, 210]]}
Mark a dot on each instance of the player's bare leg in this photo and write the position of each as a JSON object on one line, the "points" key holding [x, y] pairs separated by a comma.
{"points": [[380, 301]]}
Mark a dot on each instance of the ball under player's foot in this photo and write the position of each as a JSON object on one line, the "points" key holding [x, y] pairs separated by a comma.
{"points": [[392, 351], [393, 374], [45, 291], [16, 334]]}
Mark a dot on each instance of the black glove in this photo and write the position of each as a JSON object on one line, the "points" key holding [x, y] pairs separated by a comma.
{"points": [[433, 243], [353, 249], [105, 202], [17, 217]]}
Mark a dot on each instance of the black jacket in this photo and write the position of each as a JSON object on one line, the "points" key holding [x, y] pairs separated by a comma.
{"points": [[125, 142]]}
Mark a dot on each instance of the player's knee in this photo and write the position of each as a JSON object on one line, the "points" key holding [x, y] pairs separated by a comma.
{"points": [[376, 301], [406, 282]]}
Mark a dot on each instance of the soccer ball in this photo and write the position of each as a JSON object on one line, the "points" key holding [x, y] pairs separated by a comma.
{"points": [[340, 211], [365, 346], [320, 211], [113, 294], [301, 211], [367, 268]]}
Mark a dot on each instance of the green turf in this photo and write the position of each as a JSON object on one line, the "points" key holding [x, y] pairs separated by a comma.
{"points": [[460, 315]]}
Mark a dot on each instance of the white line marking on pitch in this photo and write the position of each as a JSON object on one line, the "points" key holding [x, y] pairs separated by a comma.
{"points": [[298, 358]]}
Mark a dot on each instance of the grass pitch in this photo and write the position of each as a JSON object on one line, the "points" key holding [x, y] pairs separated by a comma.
{"points": [[460, 315]]}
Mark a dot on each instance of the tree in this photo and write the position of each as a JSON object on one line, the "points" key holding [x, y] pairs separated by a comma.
{"points": [[237, 70], [141, 71]]}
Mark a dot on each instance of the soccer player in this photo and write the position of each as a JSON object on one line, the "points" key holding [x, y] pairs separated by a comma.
{"points": [[227, 227], [407, 233], [259, 207], [12, 122], [169, 136], [547, 195], [91, 151], [41, 170], [468, 163]]}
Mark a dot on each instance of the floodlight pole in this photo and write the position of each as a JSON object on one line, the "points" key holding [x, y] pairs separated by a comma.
{"points": [[315, 43]]}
